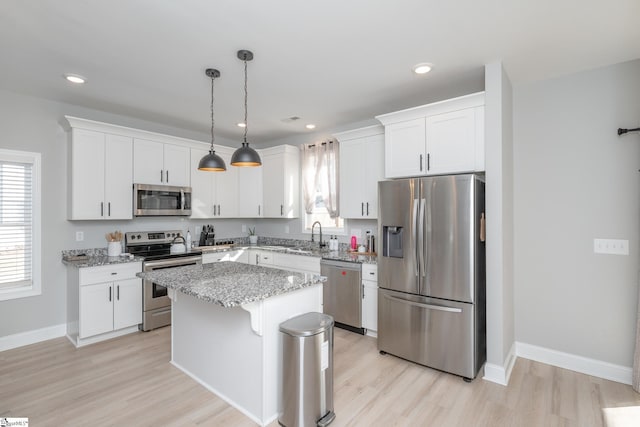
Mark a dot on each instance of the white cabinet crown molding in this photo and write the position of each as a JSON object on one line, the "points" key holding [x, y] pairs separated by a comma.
{"points": [[279, 149], [79, 123], [421, 111], [359, 133]]}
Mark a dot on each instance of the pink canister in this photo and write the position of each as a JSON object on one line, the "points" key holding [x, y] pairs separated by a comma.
{"points": [[354, 243]]}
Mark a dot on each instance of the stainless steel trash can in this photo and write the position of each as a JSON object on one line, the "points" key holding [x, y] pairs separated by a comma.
{"points": [[307, 371]]}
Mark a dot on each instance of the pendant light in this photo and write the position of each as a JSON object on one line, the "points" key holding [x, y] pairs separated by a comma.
{"points": [[245, 155], [212, 162]]}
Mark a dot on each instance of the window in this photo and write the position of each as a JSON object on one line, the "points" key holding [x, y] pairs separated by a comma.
{"points": [[19, 224], [320, 185]]}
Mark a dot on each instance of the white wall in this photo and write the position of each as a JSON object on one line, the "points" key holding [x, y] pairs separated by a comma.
{"points": [[576, 180], [500, 235]]}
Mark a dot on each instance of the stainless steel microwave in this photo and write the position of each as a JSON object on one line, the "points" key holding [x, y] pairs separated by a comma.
{"points": [[161, 200]]}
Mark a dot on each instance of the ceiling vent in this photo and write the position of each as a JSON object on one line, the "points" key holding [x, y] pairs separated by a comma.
{"points": [[291, 119]]}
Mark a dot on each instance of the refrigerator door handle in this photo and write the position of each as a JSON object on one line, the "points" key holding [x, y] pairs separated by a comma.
{"points": [[421, 251], [427, 306], [415, 235]]}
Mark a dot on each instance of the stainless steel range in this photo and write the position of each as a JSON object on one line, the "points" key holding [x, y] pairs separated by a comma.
{"points": [[155, 247]]}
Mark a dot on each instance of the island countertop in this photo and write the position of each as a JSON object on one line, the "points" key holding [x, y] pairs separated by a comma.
{"points": [[231, 284]]}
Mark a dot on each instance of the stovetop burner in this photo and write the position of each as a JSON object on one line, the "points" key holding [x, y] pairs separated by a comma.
{"points": [[154, 245]]}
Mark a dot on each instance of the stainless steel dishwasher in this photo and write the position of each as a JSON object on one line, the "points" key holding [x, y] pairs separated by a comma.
{"points": [[342, 293]]}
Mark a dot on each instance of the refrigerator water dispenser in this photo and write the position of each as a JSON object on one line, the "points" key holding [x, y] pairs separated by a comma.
{"points": [[392, 241]]}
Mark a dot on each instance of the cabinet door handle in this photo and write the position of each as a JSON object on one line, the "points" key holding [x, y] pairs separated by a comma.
{"points": [[218, 210], [428, 161], [110, 289], [161, 175], [363, 291], [101, 208], [118, 292], [420, 162], [167, 177], [257, 259], [361, 208], [281, 210], [109, 208], [367, 208], [258, 210]]}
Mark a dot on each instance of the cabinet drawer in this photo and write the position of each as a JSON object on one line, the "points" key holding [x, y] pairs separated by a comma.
{"points": [[208, 258], [370, 272], [109, 273]]}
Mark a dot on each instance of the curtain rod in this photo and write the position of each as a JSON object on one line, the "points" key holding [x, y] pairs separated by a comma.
{"points": [[623, 131], [323, 143]]}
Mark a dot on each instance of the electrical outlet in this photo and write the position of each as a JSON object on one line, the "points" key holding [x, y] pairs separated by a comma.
{"points": [[611, 246], [79, 236], [286, 229], [244, 228]]}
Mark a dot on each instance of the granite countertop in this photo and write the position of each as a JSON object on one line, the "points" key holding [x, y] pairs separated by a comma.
{"points": [[231, 284], [303, 251], [82, 258]]}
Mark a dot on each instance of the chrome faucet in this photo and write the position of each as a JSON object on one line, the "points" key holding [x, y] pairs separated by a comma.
{"points": [[321, 245]]}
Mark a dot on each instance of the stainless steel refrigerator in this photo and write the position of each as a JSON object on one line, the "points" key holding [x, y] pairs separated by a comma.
{"points": [[431, 272]]}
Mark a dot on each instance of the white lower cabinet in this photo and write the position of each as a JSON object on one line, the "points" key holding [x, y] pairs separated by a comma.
{"points": [[263, 258], [370, 298], [103, 302], [297, 263]]}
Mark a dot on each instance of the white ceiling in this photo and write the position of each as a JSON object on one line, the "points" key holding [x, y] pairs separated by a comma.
{"points": [[330, 62]]}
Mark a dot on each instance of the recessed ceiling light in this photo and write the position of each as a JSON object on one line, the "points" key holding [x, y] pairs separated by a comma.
{"points": [[310, 126], [241, 125], [75, 78], [422, 68]]}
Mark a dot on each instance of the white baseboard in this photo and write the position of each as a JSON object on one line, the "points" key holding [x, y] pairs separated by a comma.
{"points": [[32, 337], [584, 365], [500, 374]]}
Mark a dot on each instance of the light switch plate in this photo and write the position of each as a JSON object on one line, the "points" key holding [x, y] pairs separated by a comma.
{"points": [[79, 236], [611, 246]]}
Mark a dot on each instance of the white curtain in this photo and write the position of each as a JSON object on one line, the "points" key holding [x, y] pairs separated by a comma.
{"points": [[320, 164]]}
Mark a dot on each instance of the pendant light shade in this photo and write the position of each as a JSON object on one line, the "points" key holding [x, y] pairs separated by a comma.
{"points": [[245, 155], [212, 162]]}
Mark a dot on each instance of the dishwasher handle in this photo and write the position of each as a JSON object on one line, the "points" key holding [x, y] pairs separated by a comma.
{"points": [[344, 265]]}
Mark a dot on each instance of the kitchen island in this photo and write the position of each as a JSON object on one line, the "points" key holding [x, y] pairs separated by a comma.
{"points": [[225, 320]]}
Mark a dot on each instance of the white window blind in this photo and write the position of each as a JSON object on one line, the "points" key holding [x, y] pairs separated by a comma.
{"points": [[18, 192]]}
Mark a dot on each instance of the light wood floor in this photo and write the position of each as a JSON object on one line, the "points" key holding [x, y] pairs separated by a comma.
{"points": [[128, 381]]}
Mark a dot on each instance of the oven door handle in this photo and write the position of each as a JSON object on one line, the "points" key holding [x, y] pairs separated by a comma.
{"points": [[172, 262]]}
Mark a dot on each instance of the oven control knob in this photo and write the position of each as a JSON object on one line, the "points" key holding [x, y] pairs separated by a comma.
{"points": [[139, 236], [133, 237]]}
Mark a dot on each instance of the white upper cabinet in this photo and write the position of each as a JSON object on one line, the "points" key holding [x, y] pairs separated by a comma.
{"points": [[250, 186], [225, 196], [214, 194], [433, 139], [202, 187], [281, 181], [159, 163], [361, 167], [101, 170]]}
